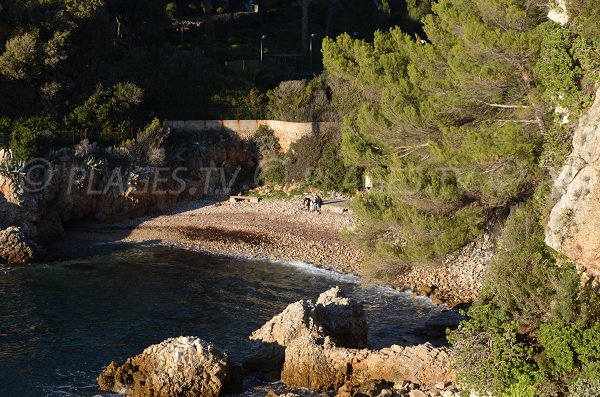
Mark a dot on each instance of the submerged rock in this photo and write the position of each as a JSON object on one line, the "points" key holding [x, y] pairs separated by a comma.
{"points": [[333, 314], [179, 367]]}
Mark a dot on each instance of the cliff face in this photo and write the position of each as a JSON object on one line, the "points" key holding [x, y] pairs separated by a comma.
{"points": [[74, 190], [574, 224]]}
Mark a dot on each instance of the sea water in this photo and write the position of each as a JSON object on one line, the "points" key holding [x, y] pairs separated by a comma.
{"points": [[61, 323]]}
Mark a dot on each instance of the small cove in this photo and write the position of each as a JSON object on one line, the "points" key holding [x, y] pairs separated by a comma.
{"points": [[62, 322]]}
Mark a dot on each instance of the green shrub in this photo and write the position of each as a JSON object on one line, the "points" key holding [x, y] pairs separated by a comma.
{"points": [[273, 170], [585, 388], [522, 388], [107, 114], [489, 354], [316, 161], [571, 350], [535, 327], [5, 127], [266, 140], [391, 229], [31, 137], [305, 155], [523, 277]]}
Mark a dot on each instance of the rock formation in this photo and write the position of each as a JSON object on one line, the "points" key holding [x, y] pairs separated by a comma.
{"points": [[322, 347], [15, 248], [42, 196], [333, 314], [180, 367], [558, 12], [318, 364], [574, 223]]}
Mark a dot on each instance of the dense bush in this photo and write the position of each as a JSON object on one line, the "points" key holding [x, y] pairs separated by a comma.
{"points": [[273, 170], [106, 114], [31, 137], [299, 100], [147, 148], [265, 139], [315, 161], [534, 329]]}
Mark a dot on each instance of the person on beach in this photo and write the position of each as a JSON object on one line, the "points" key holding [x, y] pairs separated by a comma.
{"points": [[318, 203], [306, 204]]}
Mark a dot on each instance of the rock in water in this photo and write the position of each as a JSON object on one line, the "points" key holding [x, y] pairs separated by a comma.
{"points": [[574, 223], [334, 315], [15, 248], [318, 364], [179, 367], [344, 320]]}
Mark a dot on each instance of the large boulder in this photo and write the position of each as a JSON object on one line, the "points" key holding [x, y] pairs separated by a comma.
{"points": [[179, 367], [318, 364], [574, 223], [15, 247], [333, 314]]}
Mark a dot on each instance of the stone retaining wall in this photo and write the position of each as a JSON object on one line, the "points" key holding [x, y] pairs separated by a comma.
{"points": [[288, 132]]}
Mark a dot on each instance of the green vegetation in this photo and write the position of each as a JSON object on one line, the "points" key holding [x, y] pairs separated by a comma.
{"points": [[457, 110], [455, 129], [534, 328]]}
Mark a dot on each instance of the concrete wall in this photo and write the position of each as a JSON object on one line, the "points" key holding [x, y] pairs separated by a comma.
{"points": [[288, 132]]}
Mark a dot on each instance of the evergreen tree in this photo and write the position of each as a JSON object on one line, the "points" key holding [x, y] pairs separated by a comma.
{"points": [[450, 128]]}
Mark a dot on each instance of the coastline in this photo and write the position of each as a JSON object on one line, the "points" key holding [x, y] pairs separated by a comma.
{"points": [[280, 230]]}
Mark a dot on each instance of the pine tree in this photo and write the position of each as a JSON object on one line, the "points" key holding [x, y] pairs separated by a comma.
{"points": [[450, 128]]}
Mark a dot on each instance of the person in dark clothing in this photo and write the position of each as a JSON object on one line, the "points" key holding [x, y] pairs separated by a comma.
{"points": [[306, 203], [318, 203]]}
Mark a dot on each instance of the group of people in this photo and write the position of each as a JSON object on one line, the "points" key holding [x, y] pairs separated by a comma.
{"points": [[313, 203]]}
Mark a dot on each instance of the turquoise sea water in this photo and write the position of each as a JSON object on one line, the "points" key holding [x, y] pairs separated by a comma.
{"points": [[62, 322]]}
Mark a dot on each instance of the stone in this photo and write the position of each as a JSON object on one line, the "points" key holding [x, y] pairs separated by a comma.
{"points": [[333, 314], [178, 367], [371, 388], [344, 320], [15, 247], [424, 289], [417, 393], [558, 12], [574, 225], [318, 364]]}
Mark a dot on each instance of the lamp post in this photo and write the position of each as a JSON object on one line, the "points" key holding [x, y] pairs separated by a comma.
{"points": [[355, 35], [263, 37], [312, 36]]}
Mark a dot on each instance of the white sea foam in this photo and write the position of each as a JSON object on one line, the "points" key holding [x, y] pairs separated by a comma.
{"points": [[319, 271]]}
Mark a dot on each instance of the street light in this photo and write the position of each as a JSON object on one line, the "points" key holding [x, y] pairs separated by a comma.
{"points": [[312, 36], [264, 36], [355, 35]]}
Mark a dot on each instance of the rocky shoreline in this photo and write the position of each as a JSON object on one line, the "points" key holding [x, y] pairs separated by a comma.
{"points": [[282, 230], [318, 346]]}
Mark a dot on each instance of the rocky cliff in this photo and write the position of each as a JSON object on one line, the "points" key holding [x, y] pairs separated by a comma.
{"points": [[109, 187], [574, 223]]}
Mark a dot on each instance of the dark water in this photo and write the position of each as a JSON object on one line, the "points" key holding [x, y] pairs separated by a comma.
{"points": [[61, 323]]}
